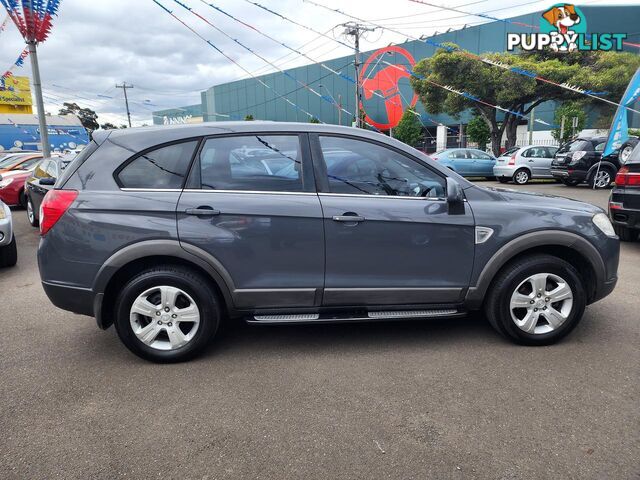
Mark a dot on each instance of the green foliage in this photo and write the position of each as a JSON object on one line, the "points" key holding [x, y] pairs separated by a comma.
{"points": [[568, 110], [598, 71], [478, 132], [634, 132], [409, 129], [88, 117], [108, 126], [248, 118], [314, 120]]}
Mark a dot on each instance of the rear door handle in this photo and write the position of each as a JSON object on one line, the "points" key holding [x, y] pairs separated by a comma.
{"points": [[202, 211], [348, 218]]}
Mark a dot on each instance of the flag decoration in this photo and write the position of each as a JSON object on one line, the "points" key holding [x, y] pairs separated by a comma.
{"points": [[18, 63], [33, 18], [619, 131]]}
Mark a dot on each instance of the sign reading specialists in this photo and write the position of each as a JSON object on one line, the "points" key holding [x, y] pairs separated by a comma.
{"points": [[563, 28]]}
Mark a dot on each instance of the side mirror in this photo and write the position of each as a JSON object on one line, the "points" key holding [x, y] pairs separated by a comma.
{"points": [[455, 197], [48, 181]]}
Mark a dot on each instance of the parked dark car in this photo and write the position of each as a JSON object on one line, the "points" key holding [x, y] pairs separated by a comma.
{"points": [[165, 233], [580, 160], [624, 202], [40, 182], [8, 248]]}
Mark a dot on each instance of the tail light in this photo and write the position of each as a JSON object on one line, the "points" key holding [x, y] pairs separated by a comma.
{"points": [[512, 160], [627, 178], [54, 205]]}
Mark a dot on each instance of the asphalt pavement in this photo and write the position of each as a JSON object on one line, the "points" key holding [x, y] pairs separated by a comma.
{"points": [[406, 400]]}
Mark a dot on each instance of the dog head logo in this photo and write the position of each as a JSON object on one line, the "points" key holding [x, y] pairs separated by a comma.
{"points": [[381, 79], [562, 17]]}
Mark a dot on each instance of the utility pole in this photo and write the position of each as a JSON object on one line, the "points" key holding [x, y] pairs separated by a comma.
{"points": [[124, 87], [355, 29]]}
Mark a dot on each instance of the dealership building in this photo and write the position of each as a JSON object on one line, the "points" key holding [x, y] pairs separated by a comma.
{"points": [[237, 99]]}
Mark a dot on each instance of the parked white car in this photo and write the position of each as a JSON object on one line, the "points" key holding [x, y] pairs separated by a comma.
{"points": [[521, 164], [8, 250]]}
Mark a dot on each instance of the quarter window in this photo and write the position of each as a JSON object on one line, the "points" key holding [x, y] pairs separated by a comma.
{"points": [[364, 168], [252, 163], [162, 168]]}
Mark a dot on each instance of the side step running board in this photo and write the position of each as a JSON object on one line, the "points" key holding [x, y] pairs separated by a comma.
{"points": [[330, 318]]}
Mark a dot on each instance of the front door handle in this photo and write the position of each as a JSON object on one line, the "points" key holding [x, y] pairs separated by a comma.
{"points": [[348, 217], [203, 211]]}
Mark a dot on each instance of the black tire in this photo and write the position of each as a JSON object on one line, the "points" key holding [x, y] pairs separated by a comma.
{"points": [[569, 182], [195, 285], [503, 179], [521, 176], [22, 199], [33, 219], [626, 234], [497, 304], [9, 254], [603, 171], [492, 179]]}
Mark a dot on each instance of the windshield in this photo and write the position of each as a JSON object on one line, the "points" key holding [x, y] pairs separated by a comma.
{"points": [[576, 146], [11, 161], [509, 151]]}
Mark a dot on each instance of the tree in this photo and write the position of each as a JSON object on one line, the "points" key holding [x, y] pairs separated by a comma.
{"points": [[568, 110], [478, 132], [248, 118], [88, 117], [409, 129], [108, 126], [518, 94], [314, 120]]}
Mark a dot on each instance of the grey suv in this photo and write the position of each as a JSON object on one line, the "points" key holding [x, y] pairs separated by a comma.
{"points": [[165, 232]]}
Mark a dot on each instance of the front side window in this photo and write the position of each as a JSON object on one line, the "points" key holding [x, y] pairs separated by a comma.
{"points": [[162, 168], [252, 163], [364, 168]]}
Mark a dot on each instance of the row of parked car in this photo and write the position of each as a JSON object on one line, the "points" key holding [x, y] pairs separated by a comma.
{"points": [[577, 161]]}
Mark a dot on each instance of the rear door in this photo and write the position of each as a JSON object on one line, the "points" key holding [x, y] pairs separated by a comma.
{"points": [[483, 163], [251, 203], [462, 161], [389, 236]]}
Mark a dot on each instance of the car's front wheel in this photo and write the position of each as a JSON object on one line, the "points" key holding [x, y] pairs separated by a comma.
{"points": [[167, 314], [9, 254], [31, 213], [536, 300]]}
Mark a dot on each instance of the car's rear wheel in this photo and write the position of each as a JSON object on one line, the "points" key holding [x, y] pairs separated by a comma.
{"points": [[626, 234], [601, 178], [536, 300], [9, 254], [31, 213], [167, 314], [522, 176]]}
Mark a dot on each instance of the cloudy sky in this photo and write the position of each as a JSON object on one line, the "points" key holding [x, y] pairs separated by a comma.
{"points": [[98, 43]]}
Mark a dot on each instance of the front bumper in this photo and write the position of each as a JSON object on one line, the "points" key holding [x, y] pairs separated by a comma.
{"points": [[6, 226]]}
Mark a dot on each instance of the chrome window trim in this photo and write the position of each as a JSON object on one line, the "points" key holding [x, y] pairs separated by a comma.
{"points": [[266, 192], [131, 189], [393, 197]]}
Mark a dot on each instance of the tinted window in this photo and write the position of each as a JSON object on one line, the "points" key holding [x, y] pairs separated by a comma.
{"points": [[480, 155], [458, 154], [252, 162], [165, 167], [358, 167], [41, 169], [551, 151], [576, 146], [510, 151], [600, 147]]}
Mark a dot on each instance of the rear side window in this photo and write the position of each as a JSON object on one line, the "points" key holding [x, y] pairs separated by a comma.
{"points": [[252, 163], [162, 168]]}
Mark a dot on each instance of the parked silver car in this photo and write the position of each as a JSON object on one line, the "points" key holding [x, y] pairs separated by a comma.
{"points": [[521, 164], [8, 250]]}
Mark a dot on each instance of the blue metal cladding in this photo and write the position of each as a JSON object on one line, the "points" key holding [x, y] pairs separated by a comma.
{"points": [[236, 99], [27, 137]]}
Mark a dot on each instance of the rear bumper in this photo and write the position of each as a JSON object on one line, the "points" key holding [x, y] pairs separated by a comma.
{"points": [[74, 299], [625, 217], [565, 173], [504, 170]]}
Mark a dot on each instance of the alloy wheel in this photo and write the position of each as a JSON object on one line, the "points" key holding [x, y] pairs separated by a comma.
{"points": [[522, 177], [30, 214], [164, 317], [625, 153], [541, 303], [602, 179]]}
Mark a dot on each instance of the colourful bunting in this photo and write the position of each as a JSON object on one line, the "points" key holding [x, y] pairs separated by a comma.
{"points": [[33, 18]]}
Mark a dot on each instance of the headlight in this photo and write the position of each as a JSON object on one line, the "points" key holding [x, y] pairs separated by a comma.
{"points": [[6, 182], [601, 221], [577, 156]]}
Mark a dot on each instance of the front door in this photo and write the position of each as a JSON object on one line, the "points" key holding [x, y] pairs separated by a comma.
{"points": [[250, 203], [389, 236]]}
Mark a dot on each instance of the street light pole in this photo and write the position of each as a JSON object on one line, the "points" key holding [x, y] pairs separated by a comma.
{"points": [[37, 89]]}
